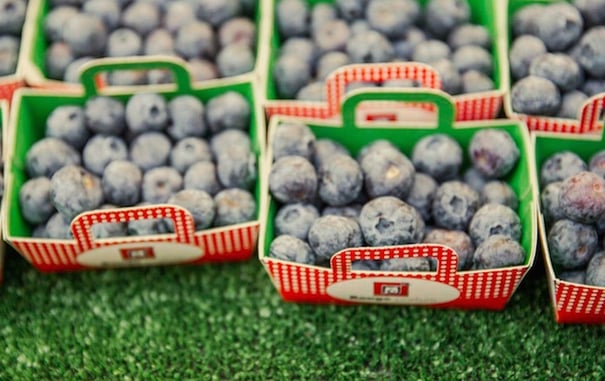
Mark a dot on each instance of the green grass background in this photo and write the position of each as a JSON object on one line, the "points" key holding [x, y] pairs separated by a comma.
{"points": [[227, 322]]}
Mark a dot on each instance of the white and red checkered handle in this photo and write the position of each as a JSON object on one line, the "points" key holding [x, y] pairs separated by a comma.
{"points": [[183, 223]]}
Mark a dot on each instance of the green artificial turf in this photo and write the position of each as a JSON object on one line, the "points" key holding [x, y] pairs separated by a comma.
{"points": [[227, 322]]}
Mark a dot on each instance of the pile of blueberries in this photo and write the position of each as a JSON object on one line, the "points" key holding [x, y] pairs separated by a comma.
{"points": [[216, 37], [573, 206], [317, 39], [557, 57], [148, 150], [12, 17], [329, 201]]}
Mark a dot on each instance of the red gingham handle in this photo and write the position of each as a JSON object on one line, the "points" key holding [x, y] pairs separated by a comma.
{"points": [[447, 259], [337, 81], [591, 111], [81, 226]]}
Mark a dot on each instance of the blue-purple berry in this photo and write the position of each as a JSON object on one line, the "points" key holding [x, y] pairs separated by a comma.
{"points": [[293, 138], [187, 117], [48, 155], [340, 181], [150, 150], [199, 203], [523, 51], [202, 175], [291, 249], [234, 206], [388, 221], [498, 251], [422, 193], [34, 200], [293, 179], [561, 165], [330, 234], [74, 190], [457, 240], [582, 197], [121, 183], [387, 172], [146, 112], [437, 155], [595, 270], [159, 184], [189, 151], [454, 205], [369, 47], [535, 95], [559, 68], [67, 122], [491, 219], [442, 16], [295, 219], [229, 110], [559, 25], [105, 115], [572, 244], [493, 152], [499, 192], [100, 150]]}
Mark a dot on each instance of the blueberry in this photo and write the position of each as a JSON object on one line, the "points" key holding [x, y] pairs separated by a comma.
{"points": [[442, 16], [123, 42], [196, 39], [592, 11], [292, 18], [229, 139], [493, 219], [359, 26], [388, 221], [431, 50], [340, 180], [234, 206], [105, 115], [199, 203], [330, 234], [106, 10], [293, 138], [68, 123], [235, 59], [595, 271], [454, 205], [597, 163], [313, 92], [392, 17], [160, 183], [189, 151], [592, 52], [369, 47], [437, 155], [573, 276], [229, 110], [34, 200], [293, 179], [9, 54], [331, 35], [160, 41], [141, 16], [560, 166], [202, 69], [290, 74], [351, 9], [458, 240], [422, 193], [523, 51], [56, 59], [74, 190], [572, 244], [178, 13], [302, 47], [475, 179], [292, 249], [216, 12], [535, 96], [499, 192], [146, 112], [121, 183], [472, 57], [387, 173], [593, 86], [236, 168], [238, 30], [451, 82], [525, 19], [497, 252], [406, 264], [109, 229], [85, 34], [469, 34], [48, 155], [150, 150], [474, 81], [321, 13], [559, 25], [100, 150], [405, 45], [295, 219], [350, 211], [12, 16], [186, 117], [58, 227], [549, 199], [202, 175], [559, 68], [55, 20], [493, 153], [571, 104], [375, 146], [582, 197], [72, 71]]}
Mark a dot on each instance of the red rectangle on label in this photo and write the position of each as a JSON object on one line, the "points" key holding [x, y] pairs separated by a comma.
{"points": [[391, 288], [391, 117], [135, 253]]}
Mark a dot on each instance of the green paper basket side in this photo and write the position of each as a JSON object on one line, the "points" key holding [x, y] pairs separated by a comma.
{"points": [[404, 137], [482, 12], [3, 133], [32, 107]]}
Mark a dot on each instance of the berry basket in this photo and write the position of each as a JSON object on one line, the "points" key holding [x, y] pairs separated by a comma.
{"points": [[184, 244], [444, 286], [589, 114], [4, 129], [37, 75], [469, 106], [573, 302]]}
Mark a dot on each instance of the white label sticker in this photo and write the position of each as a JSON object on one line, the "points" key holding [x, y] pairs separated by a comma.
{"points": [[389, 290], [139, 254]]}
